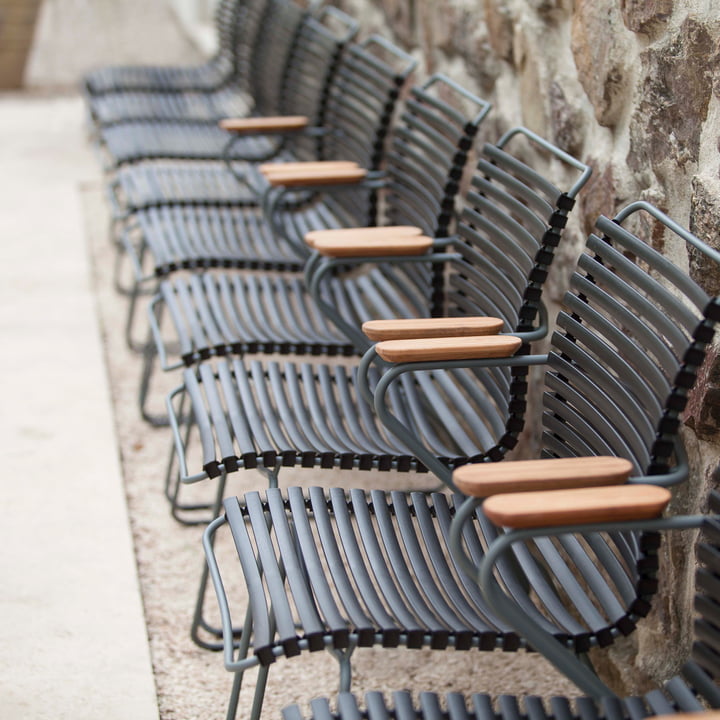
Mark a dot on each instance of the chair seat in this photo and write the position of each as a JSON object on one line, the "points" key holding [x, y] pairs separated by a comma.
{"points": [[679, 696], [187, 106], [153, 77], [375, 568], [134, 141], [193, 237], [213, 313], [311, 415]]}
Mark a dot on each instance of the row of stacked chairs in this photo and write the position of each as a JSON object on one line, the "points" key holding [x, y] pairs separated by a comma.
{"points": [[300, 195]]}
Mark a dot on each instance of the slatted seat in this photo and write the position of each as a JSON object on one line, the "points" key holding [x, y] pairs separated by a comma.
{"points": [[310, 413], [628, 346], [216, 313], [694, 689], [293, 59], [226, 93], [155, 78], [430, 128]]}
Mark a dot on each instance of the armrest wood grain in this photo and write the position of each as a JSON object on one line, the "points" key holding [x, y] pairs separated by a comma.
{"points": [[311, 166], [372, 233], [374, 247], [450, 348], [578, 506], [405, 329], [269, 124], [485, 479], [321, 176]]}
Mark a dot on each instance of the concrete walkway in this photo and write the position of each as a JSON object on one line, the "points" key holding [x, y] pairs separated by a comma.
{"points": [[72, 638], [73, 641]]}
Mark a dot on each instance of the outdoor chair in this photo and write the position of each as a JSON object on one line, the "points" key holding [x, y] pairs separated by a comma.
{"points": [[430, 145], [268, 414], [428, 150], [691, 693], [283, 56], [337, 569], [229, 93], [156, 78]]}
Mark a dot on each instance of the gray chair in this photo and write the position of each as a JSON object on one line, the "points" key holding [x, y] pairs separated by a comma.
{"points": [[267, 415], [343, 569], [208, 313], [215, 73], [277, 63]]}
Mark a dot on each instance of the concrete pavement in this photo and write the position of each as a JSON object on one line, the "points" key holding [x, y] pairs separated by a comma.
{"points": [[72, 637]]}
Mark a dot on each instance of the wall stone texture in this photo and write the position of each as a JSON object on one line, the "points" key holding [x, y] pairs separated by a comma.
{"points": [[633, 89]]}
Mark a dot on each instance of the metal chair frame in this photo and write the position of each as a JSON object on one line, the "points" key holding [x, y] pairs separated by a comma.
{"points": [[637, 418]]}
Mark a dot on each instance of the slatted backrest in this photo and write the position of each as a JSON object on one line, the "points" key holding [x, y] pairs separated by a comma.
{"points": [[429, 151], [238, 26], [630, 339], [361, 104], [508, 227], [314, 59], [706, 646], [279, 24]]}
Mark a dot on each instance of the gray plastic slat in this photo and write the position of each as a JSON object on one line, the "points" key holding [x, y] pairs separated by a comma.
{"points": [[366, 588], [201, 417], [683, 696], [384, 572], [222, 434], [376, 707], [241, 431], [637, 710], [483, 707], [257, 601], [274, 575], [315, 573], [348, 708], [294, 570], [703, 684], [534, 708], [509, 708], [347, 593]]}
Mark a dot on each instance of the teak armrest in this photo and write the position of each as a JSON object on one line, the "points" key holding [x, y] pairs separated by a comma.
{"points": [[371, 233], [310, 165], [374, 247], [478, 347], [577, 507], [320, 176], [408, 328], [485, 479], [269, 124]]}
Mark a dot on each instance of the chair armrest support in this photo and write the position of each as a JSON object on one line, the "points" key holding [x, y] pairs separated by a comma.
{"points": [[408, 328], [308, 177], [485, 479], [448, 348], [374, 247], [579, 505], [265, 125], [361, 233]]}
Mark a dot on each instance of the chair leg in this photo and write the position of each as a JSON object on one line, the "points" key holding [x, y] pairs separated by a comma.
{"points": [[344, 658], [199, 622], [148, 368]]}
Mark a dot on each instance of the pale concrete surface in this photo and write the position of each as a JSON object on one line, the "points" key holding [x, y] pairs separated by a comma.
{"points": [[72, 639]]}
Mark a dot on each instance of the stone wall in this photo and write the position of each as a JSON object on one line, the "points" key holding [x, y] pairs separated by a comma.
{"points": [[633, 88]]}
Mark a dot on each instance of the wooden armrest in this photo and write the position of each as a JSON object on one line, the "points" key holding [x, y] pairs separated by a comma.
{"points": [[485, 479], [405, 329], [270, 124], [374, 247], [578, 506], [321, 176], [280, 167], [371, 233], [448, 348]]}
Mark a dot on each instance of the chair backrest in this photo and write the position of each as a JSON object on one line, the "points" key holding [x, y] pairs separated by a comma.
{"points": [[312, 64], [278, 23], [359, 110], [706, 646], [428, 153], [630, 340], [238, 26]]}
